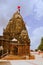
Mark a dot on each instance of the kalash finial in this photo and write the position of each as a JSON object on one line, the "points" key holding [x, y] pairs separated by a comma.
{"points": [[18, 8]]}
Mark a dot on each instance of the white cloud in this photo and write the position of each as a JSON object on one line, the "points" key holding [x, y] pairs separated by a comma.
{"points": [[37, 34], [38, 31], [39, 8]]}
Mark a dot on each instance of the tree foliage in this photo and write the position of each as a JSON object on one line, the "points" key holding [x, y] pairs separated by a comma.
{"points": [[40, 47]]}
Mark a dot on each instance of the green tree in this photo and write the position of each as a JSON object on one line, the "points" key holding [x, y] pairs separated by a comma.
{"points": [[40, 47]]}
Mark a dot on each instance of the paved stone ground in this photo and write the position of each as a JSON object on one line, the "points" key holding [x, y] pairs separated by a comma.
{"points": [[22, 62], [13, 57], [5, 63], [26, 62], [37, 61]]}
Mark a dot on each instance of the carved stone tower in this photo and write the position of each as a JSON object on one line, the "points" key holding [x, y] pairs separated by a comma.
{"points": [[16, 29]]}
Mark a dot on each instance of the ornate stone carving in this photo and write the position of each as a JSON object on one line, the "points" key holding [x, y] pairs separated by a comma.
{"points": [[16, 29]]}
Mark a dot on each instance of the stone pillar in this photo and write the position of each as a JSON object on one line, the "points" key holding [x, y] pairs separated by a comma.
{"points": [[11, 50]]}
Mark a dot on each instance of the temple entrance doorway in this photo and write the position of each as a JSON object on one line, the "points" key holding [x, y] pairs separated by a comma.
{"points": [[15, 50]]}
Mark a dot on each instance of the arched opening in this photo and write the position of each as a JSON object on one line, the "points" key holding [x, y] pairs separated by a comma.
{"points": [[15, 50]]}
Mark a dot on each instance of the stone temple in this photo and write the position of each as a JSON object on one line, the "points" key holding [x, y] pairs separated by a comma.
{"points": [[15, 39]]}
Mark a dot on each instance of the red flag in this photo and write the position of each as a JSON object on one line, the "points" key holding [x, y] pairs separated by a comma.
{"points": [[18, 8]]}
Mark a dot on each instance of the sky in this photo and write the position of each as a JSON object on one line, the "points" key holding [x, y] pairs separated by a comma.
{"points": [[32, 13]]}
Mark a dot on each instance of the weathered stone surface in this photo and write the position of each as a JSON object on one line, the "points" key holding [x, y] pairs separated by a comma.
{"points": [[16, 29]]}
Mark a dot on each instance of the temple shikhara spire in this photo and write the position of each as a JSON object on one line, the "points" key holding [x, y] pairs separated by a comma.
{"points": [[15, 39]]}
